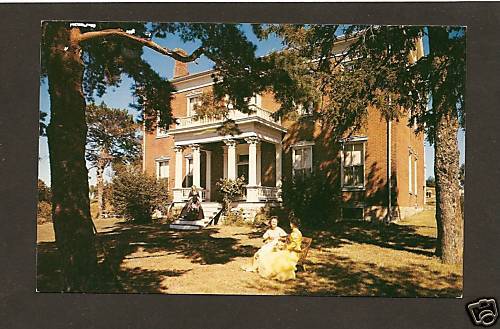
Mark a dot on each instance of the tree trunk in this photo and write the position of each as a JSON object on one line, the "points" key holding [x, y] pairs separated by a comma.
{"points": [[69, 175], [448, 209], [446, 158]]}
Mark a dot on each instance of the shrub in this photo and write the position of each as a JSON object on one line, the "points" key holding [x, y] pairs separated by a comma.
{"points": [[230, 190], [313, 199], [44, 212], [136, 195], [235, 217]]}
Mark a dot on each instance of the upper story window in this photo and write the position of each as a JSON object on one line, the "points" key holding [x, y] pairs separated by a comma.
{"points": [[256, 100], [191, 102], [302, 154], [353, 165], [306, 110], [161, 132]]}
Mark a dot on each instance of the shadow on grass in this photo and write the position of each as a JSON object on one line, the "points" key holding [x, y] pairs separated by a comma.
{"points": [[124, 239], [392, 236]]}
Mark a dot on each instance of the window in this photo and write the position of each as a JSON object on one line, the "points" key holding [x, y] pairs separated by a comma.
{"points": [[242, 166], [161, 132], [306, 110], [191, 102], [255, 100], [415, 176], [302, 158], [410, 179], [188, 181], [162, 167], [353, 165]]}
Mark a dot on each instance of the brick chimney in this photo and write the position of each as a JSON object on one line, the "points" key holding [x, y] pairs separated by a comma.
{"points": [[180, 68]]}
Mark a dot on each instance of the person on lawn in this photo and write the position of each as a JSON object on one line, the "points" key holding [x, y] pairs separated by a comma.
{"points": [[281, 262], [192, 210], [271, 238]]}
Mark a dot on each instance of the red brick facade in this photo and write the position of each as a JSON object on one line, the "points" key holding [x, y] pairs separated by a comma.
{"points": [[372, 199]]}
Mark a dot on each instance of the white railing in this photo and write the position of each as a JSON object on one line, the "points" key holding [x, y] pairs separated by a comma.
{"points": [[232, 114], [268, 193], [261, 193]]}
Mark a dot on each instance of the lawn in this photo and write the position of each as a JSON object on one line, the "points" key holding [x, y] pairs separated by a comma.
{"points": [[351, 259]]}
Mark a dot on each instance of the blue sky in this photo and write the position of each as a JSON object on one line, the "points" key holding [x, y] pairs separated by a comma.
{"points": [[120, 97]]}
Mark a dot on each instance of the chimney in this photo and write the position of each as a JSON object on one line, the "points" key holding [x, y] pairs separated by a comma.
{"points": [[180, 68]]}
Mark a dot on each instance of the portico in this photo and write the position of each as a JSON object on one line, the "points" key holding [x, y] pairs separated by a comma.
{"points": [[255, 153]]}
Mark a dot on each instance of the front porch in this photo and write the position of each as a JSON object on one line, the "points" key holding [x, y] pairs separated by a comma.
{"points": [[203, 157]]}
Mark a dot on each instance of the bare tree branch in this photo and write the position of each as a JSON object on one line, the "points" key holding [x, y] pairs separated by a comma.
{"points": [[178, 55]]}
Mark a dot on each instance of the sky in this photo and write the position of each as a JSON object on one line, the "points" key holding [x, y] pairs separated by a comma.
{"points": [[121, 97]]}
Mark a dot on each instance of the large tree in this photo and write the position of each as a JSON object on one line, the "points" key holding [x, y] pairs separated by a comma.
{"points": [[379, 66], [81, 60], [111, 137]]}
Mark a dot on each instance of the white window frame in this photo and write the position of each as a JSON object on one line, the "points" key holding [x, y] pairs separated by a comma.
{"points": [[410, 176], [415, 176], [242, 163], [305, 111], [158, 164], [256, 100], [300, 146], [190, 110], [160, 132], [353, 141]]}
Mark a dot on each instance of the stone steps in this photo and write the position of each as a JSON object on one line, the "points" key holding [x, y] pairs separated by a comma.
{"points": [[210, 209]]}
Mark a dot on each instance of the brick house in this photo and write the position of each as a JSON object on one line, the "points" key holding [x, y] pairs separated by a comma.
{"points": [[267, 151]]}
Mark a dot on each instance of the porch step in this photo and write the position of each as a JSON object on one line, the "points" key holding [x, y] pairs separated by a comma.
{"points": [[210, 209]]}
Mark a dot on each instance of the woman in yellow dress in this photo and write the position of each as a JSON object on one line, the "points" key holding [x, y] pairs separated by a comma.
{"points": [[281, 262], [271, 238]]}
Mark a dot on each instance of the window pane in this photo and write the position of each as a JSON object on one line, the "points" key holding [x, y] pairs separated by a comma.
{"points": [[297, 164], [306, 157], [163, 169], [357, 155], [243, 158]]}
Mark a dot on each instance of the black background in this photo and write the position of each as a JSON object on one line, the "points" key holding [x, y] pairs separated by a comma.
{"points": [[21, 307]]}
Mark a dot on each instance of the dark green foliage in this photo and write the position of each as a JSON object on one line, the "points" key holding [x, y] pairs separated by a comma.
{"points": [[136, 195], [230, 190], [112, 133], [312, 199]]}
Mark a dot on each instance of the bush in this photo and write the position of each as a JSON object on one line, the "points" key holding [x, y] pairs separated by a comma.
{"points": [[313, 199], [230, 190], [136, 195], [235, 217], [44, 212]]}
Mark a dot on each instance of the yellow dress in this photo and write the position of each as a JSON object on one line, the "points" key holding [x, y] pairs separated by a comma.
{"points": [[281, 264]]}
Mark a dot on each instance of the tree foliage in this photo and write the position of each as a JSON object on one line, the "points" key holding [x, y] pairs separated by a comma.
{"points": [[136, 195]]}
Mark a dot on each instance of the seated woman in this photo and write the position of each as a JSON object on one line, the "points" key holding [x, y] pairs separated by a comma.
{"points": [[281, 263], [192, 210], [271, 238]]}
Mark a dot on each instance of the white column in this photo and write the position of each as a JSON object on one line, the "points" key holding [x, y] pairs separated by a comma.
{"points": [[231, 158], [252, 160], [259, 164], [225, 161], [278, 164], [196, 165], [208, 181], [178, 166]]}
